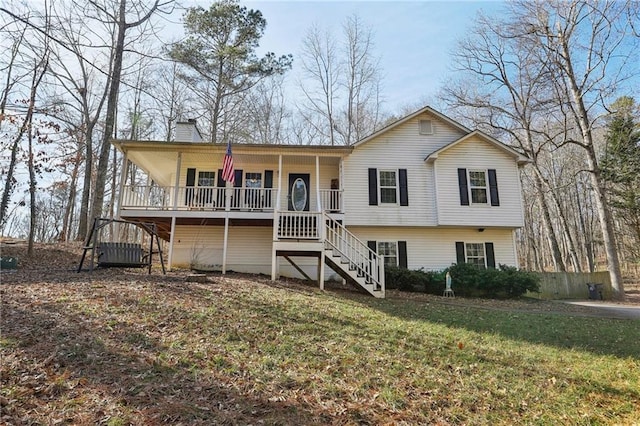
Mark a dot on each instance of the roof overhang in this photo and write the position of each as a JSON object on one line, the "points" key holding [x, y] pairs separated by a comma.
{"points": [[272, 149], [426, 109], [520, 158]]}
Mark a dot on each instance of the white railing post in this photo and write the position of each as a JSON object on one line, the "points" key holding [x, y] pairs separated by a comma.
{"points": [[381, 279]]}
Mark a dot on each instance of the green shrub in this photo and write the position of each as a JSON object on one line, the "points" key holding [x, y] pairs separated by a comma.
{"points": [[468, 280]]}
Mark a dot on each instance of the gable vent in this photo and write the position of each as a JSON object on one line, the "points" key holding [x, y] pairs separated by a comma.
{"points": [[426, 127]]}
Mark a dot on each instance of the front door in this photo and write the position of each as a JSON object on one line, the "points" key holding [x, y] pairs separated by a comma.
{"points": [[298, 192]]}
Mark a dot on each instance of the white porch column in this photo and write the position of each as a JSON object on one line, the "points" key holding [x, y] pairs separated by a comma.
{"points": [[318, 200], [172, 236], [321, 270], [123, 179], [227, 207], [171, 240], [341, 184], [279, 200], [275, 273], [275, 266], [177, 182]]}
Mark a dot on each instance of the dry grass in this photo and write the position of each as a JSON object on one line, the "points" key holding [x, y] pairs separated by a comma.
{"points": [[121, 347]]}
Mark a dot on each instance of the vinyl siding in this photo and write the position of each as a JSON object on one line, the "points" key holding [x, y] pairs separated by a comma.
{"points": [[400, 148], [249, 250], [476, 154], [434, 248]]}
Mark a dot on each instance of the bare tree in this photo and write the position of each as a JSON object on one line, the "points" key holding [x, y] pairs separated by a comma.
{"points": [[362, 81], [102, 12], [585, 46], [506, 90], [572, 57], [267, 112], [320, 66], [10, 58], [84, 88], [341, 88]]}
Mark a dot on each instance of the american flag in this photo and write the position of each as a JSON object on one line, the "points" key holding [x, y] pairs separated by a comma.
{"points": [[228, 173]]}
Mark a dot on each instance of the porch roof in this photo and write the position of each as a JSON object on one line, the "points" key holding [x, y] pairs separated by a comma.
{"points": [[159, 158]]}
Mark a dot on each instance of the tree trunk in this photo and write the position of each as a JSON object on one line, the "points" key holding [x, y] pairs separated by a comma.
{"points": [[112, 101], [556, 254], [604, 214]]}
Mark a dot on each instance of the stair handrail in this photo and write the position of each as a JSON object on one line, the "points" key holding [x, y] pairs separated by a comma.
{"points": [[356, 252]]}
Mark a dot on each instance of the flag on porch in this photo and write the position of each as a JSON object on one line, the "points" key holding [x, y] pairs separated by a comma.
{"points": [[228, 173]]}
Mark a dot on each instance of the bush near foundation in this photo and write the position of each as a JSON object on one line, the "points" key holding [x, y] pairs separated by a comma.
{"points": [[505, 282]]}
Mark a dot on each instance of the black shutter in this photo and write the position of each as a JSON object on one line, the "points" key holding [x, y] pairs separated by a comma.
{"points": [[238, 179], [493, 188], [460, 258], [191, 177], [373, 246], [268, 178], [373, 187], [404, 196], [464, 189], [402, 254], [191, 181], [268, 184], [491, 260], [220, 202]]}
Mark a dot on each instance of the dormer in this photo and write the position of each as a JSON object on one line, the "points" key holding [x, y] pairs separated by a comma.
{"points": [[187, 131]]}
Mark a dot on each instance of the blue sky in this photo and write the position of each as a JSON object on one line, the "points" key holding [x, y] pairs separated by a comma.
{"points": [[413, 38]]}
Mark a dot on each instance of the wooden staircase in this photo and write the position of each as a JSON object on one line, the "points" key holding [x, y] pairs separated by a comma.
{"points": [[316, 234], [352, 259]]}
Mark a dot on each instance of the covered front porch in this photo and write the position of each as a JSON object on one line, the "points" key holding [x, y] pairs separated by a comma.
{"points": [[187, 177]]}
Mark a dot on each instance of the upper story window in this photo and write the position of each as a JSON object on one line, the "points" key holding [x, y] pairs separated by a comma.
{"points": [[388, 187], [478, 186], [206, 178], [426, 127]]}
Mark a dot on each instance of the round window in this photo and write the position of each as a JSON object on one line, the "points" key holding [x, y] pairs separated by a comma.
{"points": [[299, 195]]}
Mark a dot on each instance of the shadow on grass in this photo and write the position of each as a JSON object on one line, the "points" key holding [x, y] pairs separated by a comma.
{"points": [[602, 336], [126, 374]]}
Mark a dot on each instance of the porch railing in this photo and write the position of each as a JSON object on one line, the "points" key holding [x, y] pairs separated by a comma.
{"points": [[146, 196], [298, 225], [354, 252], [331, 200], [198, 197]]}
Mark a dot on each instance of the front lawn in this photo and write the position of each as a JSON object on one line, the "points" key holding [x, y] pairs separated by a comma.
{"points": [[157, 350]]}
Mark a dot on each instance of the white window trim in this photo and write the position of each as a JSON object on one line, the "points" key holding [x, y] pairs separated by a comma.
{"points": [[385, 256], [397, 187], [484, 253], [486, 187]]}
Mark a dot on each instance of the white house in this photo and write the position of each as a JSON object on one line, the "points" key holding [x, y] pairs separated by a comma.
{"points": [[423, 192]]}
